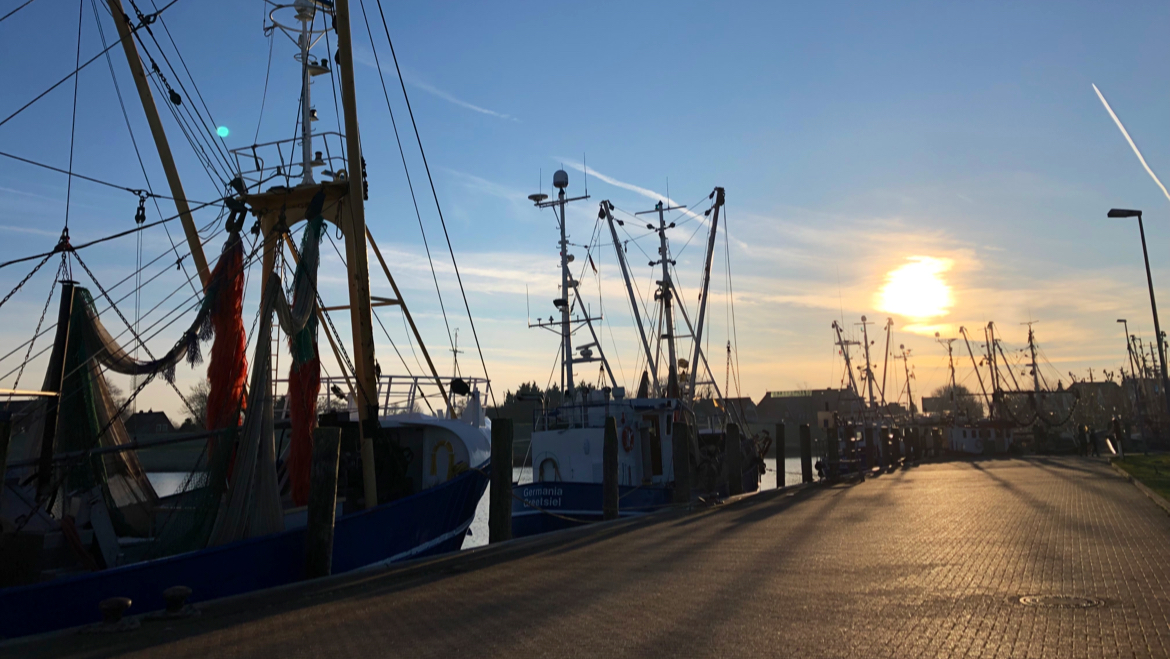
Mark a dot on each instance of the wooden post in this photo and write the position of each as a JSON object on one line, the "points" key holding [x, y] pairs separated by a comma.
{"points": [[5, 436], [322, 502], [680, 442], [121, 21], [734, 455], [500, 499], [806, 471], [609, 470], [357, 258], [887, 460], [779, 456], [833, 451]]}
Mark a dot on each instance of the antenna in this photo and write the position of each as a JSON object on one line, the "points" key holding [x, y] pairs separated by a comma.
{"points": [[586, 168]]}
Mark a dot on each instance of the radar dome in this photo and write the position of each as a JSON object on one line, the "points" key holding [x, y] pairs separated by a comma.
{"points": [[561, 179]]}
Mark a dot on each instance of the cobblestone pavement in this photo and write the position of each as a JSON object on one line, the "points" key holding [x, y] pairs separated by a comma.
{"points": [[928, 561]]}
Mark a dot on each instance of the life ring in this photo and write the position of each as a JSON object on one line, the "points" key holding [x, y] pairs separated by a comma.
{"points": [[628, 439]]}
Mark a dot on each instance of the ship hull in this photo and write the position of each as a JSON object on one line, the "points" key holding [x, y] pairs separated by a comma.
{"points": [[544, 507], [432, 522]]}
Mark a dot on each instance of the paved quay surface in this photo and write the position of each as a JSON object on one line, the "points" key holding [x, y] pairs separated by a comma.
{"points": [[928, 561]]}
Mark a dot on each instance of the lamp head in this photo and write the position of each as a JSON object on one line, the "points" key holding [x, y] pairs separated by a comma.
{"points": [[1124, 212]]}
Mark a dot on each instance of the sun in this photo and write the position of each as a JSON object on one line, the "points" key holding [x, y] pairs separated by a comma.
{"points": [[917, 289]]}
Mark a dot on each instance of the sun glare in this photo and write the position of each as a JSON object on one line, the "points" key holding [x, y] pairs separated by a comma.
{"points": [[917, 289]]}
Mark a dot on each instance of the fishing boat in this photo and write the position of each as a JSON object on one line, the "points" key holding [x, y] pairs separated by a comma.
{"points": [[652, 426], [80, 521]]}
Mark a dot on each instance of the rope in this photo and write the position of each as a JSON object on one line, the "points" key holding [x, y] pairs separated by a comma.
{"points": [[435, 194]]}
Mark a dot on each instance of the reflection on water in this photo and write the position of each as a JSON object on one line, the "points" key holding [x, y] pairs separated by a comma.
{"points": [[479, 525]]}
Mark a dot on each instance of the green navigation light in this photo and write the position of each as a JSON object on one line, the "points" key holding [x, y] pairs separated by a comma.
{"points": [[222, 131]]}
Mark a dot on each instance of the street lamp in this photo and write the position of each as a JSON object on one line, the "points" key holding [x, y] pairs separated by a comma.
{"points": [[1122, 212]]}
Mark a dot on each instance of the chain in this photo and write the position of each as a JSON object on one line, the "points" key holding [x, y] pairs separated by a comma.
{"points": [[26, 278], [37, 331]]}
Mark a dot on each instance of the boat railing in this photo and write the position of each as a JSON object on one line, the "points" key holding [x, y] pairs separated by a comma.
{"points": [[397, 394], [259, 164]]}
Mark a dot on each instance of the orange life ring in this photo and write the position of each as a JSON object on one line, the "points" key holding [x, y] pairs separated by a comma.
{"points": [[628, 439]]}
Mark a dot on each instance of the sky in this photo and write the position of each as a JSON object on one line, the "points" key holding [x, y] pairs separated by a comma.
{"points": [[854, 141]]}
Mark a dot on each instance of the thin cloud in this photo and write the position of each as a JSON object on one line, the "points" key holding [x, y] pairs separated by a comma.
{"points": [[362, 56]]}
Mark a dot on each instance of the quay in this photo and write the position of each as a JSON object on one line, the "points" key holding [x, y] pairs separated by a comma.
{"points": [[925, 561]]}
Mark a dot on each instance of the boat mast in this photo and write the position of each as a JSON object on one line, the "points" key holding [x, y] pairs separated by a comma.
{"points": [[966, 340], [563, 303], [356, 258], [665, 293], [306, 10], [122, 21], [698, 333], [1032, 348], [607, 212], [886, 358], [868, 370], [844, 345]]}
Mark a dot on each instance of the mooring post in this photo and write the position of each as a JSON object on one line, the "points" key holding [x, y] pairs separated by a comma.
{"points": [[680, 442], [5, 437], [806, 472], [734, 460], [833, 450], [884, 442], [322, 502], [500, 499], [779, 456], [609, 470]]}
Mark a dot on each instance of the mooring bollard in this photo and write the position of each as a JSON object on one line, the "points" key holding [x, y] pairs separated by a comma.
{"points": [[780, 452], [500, 500], [609, 470], [680, 444], [806, 470], [322, 502], [734, 460]]}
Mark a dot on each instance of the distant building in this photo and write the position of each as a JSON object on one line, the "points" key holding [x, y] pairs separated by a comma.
{"points": [[709, 414], [149, 423], [812, 406]]}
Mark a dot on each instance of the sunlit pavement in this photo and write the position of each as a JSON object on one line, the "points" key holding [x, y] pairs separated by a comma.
{"points": [[929, 561]]}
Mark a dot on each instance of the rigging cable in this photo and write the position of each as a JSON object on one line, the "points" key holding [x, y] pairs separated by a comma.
{"points": [[110, 237], [435, 194], [409, 182], [73, 121], [89, 61], [137, 152], [5, 16]]}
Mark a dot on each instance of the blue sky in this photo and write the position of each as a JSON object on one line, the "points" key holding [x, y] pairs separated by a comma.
{"points": [[849, 137]]}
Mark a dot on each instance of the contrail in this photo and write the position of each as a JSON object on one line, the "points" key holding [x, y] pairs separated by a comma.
{"points": [[645, 192], [1130, 140]]}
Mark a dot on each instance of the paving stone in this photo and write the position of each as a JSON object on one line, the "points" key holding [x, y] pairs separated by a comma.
{"points": [[929, 561]]}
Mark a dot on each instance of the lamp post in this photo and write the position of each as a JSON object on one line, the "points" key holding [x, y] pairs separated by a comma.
{"points": [[1122, 212]]}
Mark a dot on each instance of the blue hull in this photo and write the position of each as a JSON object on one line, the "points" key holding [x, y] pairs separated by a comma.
{"points": [[431, 522], [574, 504]]}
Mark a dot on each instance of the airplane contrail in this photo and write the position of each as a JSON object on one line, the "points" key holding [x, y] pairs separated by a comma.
{"points": [[1130, 140]]}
